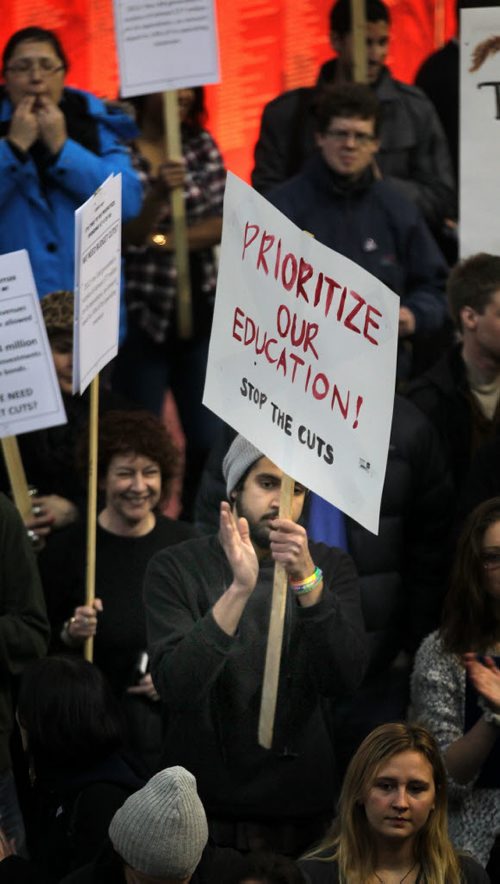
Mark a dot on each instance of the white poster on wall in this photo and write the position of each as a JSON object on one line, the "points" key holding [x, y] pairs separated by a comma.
{"points": [[480, 131], [303, 354], [164, 45]]}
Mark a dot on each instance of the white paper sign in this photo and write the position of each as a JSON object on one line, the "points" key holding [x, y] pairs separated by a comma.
{"points": [[97, 282], [30, 398], [480, 131], [165, 44], [303, 355]]}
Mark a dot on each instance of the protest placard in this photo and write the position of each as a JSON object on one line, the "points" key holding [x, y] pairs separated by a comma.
{"points": [[479, 131], [164, 45], [30, 398], [97, 282], [303, 355]]}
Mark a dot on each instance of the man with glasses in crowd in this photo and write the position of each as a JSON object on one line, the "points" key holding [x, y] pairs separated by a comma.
{"points": [[340, 198], [412, 152]]}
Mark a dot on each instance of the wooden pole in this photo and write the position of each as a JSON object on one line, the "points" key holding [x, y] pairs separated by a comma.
{"points": [[88, 650], [173, 146], [439, 23], [17, 476], [276, 624], [358, 31]]}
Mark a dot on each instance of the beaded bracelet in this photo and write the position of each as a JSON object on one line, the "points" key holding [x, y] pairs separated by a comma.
{"points": [[302, 587]]}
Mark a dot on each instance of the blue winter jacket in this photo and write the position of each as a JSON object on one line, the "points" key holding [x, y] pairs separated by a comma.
{"points": [[375, 226], [39, 216]]}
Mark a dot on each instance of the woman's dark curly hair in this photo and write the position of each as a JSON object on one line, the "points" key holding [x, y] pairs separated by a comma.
{"points": [[136, 433]]}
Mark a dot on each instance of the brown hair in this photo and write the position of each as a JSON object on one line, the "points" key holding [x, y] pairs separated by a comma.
{"points": [[136, 433], [350, 842], [472, 283], [351, 100], [469, 623]]}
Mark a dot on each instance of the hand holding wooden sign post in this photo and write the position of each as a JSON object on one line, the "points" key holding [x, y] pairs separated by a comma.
{"points": [[95, 334], [276, 624], [302, 363]]}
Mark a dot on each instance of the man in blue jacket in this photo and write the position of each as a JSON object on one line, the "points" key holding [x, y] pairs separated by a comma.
{"points": [[57, 146], [340, 198]]}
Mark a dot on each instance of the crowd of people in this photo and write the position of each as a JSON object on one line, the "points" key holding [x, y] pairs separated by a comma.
{"points": [[144, 765]]}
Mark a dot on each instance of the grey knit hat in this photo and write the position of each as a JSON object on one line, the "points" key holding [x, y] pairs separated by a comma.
{"points": [[161, 830], [240, 456]]}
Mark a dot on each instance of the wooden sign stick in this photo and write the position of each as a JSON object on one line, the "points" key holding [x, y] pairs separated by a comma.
{"points": [[276, 624], [88, 650], [17, 476], [179, 226], [358, 30]]}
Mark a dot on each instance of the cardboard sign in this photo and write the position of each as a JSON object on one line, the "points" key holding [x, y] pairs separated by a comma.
{"points": [[479, 131], [164, 45], [97, 282], [30, 397], [302, 356]]}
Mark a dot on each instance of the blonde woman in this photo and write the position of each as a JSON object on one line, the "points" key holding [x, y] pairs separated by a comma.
{"points": [[392, 821]]}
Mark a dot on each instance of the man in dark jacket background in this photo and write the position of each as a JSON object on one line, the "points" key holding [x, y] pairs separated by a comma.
{"points": [[412, 153], [460, 394], [339, 198]]}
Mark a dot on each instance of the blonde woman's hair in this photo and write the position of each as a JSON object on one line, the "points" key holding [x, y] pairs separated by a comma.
{"points": [[350, 841]]}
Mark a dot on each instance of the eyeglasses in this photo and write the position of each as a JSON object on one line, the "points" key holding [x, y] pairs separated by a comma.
{"points": [[490, 560], [25, 66], [342, 135]]}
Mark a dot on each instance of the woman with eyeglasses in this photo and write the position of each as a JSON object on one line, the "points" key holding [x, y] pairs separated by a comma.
{"points": [[57, 146], [456, 687]]}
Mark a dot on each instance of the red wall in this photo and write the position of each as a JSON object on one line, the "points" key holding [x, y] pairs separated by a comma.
{"points": [[265, 46]]}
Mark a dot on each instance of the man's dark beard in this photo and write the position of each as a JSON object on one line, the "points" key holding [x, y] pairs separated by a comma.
{"points": [[259, 531]]}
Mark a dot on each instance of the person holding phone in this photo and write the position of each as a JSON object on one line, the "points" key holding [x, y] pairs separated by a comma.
{"points": [[136, 464]]}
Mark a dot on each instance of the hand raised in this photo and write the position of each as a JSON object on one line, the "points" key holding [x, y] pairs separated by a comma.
{"points": [[235, 539], [485, 676], [52, 124], [24, 128]]}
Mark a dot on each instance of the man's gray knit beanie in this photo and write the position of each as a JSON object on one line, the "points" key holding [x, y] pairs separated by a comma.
{"points": [[240, 456], [161, 830]]}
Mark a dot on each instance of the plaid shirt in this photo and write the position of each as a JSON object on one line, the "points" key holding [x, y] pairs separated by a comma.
{"points": [[151, 274]]}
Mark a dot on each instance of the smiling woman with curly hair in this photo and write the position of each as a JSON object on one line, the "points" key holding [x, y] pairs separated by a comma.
{"points": [[136, 464]]}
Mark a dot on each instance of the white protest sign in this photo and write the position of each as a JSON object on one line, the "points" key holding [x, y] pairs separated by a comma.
{"points": [[302, 356], [97, 282], [479, 131], [30, 398], [165, 45]]}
